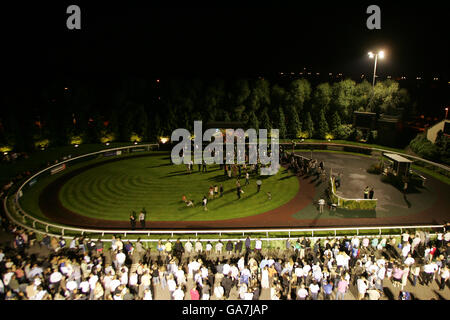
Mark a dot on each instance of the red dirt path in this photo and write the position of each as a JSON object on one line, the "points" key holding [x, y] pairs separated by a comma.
{"points": [[280, 217]]}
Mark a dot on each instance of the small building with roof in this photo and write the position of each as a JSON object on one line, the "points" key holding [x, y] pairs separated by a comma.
{"points": [[400, 166]]}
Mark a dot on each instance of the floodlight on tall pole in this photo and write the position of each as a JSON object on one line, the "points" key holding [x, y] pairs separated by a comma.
{"points": [[446, 113], [380, 54]]}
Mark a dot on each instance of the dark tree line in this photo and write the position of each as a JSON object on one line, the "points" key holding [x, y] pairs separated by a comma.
{"points": [[149, 109]]}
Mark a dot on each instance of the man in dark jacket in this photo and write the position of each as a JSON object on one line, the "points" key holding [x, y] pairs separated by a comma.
{"points": [[227, 283], [229, 247], [133, 220], [178, 248], [247, 243], [238, 247]]}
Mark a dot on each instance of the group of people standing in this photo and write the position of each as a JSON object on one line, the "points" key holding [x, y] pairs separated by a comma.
{"points": [[341, 268], [302, 166], [368, 193], [141, 218]]}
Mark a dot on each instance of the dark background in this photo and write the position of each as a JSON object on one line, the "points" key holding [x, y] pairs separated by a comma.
{"points": [[243, 38]]}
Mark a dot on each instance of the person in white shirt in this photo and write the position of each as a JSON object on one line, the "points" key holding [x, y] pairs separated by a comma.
{"points": [[193, 267], [405, 277], [147, 295], [218, 292], [120, 259], [55, 277], [381, 273], [306, 269], [314, 290], [355, 242], [415, 244], [374, 294], [7, 277], [171, 284], [444, 277], [92, 281], [133, 281], [71, 285], [365, 243], [362, 287], [302, 293], [321, 203], [242, 290], [234, 272], [409, 260], [298, 272], [258, 245], [219, 246], [342, 260], [145, 281], [41, 295], [84, 286], [124, 277], [178, 294], [208, 248], [226, 269], [426, 254], [447, 237], [405, 250], [188, 247], [119, 244], [241, 263], [440, 239], [198, 277], [2, 287], [198, 247], [248, 295], [114, 284], [180, 276], [405, 237], [429, 270]]}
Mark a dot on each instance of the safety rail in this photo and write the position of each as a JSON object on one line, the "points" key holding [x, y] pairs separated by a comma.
{"points": [[63, 228], [19, 190], [439, 165], [267, 231]]}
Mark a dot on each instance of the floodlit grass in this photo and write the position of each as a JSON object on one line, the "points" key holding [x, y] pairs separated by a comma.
{"points": [[113, 190], [39, 159], [30, 200]]}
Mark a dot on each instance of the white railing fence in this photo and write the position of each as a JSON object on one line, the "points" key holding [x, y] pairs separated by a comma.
{"points": [[32, 223], [439, 165]]}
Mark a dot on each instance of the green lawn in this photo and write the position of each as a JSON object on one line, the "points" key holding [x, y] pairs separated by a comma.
{"points": [[111, 191], [39, 159]]}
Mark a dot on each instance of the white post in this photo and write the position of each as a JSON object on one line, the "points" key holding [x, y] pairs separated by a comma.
{"points": [[374, 70]]}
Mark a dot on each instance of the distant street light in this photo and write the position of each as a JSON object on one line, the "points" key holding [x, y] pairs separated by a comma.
{"points": [[446, 113], [380, 54]]}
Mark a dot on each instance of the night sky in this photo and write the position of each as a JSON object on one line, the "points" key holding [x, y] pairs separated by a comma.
{"points": [[229, 38]]}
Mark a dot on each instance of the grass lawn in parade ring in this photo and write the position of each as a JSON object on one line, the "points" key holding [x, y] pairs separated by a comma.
{"points": [[113, 189]]}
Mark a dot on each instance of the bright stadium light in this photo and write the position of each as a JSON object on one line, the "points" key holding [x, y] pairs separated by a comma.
{"points": [[164, 139], [380, 54]]}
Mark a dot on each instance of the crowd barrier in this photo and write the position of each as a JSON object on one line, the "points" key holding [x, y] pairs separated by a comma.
{"points": [[21, 218]]}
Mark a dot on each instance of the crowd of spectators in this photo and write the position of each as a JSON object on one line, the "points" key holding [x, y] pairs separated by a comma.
{"points": [[305, 268]]}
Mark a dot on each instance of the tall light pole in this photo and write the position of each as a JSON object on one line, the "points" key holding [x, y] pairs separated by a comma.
{"points": [[446, 112], [376, 55]]}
